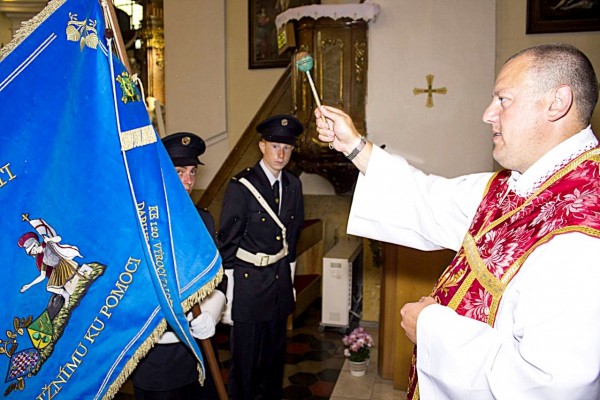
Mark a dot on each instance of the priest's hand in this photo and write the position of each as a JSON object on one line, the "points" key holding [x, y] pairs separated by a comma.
{"points": [[410, 313], [337, 129]]}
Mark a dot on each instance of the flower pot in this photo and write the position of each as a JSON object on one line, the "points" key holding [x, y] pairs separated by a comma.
{"points": [[358, 368]]}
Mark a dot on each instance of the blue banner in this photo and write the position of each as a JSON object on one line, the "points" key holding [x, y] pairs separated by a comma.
{"points": [[102, 244]]}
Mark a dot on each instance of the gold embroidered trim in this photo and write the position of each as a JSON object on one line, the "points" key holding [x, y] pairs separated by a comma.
{"points": [[416, 395], [480, 270], [511, 272], [28, 27], [493, 310], [137, 137], [203, 292], [461, 292], [593, 155], [489, 184]]}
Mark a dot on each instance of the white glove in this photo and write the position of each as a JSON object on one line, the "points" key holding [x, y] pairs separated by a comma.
{"points": [[293, 270], [168, 337], [226, 319], [203, 326], [293, 275]]}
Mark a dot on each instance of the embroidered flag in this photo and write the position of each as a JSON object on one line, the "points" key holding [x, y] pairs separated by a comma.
{"points": [[102, 245]]}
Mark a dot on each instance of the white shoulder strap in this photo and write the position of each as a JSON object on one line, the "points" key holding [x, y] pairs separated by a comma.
{"points": [[263, 203]]}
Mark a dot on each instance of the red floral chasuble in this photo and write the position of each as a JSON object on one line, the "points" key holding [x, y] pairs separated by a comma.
{"points": [[506, 229]]}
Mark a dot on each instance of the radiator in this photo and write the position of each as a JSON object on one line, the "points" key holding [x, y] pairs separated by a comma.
{"points": [[342, 283]]}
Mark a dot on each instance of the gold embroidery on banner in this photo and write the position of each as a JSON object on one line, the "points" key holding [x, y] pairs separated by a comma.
{"points": [[137, 137], [84, 32], [128, 88], [27, 27]]}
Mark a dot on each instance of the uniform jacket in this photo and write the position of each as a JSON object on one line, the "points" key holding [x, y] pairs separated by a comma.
{"points": [[260, 293]]}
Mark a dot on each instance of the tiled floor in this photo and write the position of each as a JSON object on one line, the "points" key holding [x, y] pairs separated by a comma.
{"points": [[314, 359], [315, 366], [368, 387]]}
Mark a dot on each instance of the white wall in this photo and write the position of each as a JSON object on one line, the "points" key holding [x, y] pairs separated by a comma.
{"points": [[454, 41], [5, 30], [195, 85], [405, 44], [511, 37]]}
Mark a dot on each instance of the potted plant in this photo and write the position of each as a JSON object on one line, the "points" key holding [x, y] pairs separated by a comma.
{"points": [[358, 350]]}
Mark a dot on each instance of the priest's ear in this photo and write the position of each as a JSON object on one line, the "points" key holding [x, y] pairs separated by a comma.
{"points": [[561, 103]]}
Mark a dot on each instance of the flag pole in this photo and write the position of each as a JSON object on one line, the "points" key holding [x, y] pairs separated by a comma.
{"points": [[205, 343], [119, 43], [211, 359]]}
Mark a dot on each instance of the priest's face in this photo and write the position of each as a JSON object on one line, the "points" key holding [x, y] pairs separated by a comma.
{"points": [[276, 155], [187, 175], [516, 115]]}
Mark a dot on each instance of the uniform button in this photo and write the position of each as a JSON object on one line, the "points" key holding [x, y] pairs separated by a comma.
{"points": [[276, 276], [245, 275], [292, 217], [278, 237], [263, 219]]}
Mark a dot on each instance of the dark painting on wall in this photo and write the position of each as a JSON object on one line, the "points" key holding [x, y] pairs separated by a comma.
{"points": [[262, 46], [548, 16]]}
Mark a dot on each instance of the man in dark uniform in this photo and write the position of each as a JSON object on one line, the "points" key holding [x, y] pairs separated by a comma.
{"points": [[259, 227], [169, 370]]}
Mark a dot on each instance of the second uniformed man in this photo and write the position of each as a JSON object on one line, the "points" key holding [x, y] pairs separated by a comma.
{"points": [[260, 223]]}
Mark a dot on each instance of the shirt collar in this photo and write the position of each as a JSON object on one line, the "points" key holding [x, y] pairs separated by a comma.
{"points": [[525, 184], [268, 173]]}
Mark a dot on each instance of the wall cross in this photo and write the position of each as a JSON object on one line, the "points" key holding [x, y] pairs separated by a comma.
{"points": [[430, 91]]}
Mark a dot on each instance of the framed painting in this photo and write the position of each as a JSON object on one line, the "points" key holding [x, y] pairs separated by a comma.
{"points": [[262, 32], [549, 16]]}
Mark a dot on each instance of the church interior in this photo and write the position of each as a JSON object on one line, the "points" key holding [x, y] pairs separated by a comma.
{"points": [[416, 78]]}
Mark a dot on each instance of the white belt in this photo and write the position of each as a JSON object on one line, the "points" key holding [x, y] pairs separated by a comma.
{"points": [[261, 259]]}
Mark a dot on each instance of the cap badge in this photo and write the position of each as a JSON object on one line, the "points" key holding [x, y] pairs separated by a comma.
{"points": [[284, 122], [186, 140]]}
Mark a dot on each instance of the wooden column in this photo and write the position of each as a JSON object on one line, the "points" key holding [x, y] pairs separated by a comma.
{"points": [[407, 275]]}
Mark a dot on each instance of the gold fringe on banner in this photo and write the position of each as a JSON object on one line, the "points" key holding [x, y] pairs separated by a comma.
{"points": [[29, 26], [145, 347], [203, 292], [137, 137], [134, 360]]}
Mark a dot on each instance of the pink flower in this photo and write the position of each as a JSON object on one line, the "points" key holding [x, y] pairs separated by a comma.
{"points": [[357, 343]]}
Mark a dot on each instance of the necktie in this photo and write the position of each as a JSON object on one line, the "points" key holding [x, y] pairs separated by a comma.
{"points": [[276, 194]]}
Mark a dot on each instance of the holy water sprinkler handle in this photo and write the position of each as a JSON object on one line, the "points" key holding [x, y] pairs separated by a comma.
{"points": [[304, 63]]}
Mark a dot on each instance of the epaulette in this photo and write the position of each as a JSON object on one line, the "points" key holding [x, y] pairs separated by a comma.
{"points": [[242, 174]]}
